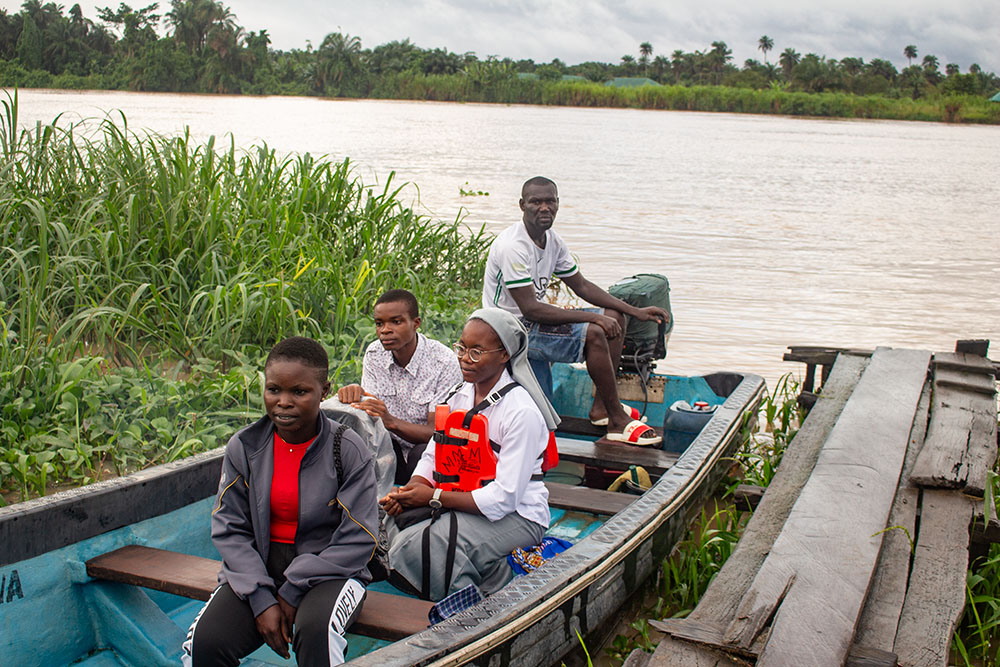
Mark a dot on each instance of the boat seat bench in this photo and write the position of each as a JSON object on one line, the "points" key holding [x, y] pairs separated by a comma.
{"points": [[605, 454], [383, 616], [585, 499]]}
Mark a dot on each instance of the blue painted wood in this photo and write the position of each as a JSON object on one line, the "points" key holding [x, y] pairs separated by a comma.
{"points": [[572, 392]]}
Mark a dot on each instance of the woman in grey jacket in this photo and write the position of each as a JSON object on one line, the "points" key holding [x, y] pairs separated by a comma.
{"points": [[294, 525]]}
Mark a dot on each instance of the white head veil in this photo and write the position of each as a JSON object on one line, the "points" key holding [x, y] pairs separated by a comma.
{"points": [[514, 338]]}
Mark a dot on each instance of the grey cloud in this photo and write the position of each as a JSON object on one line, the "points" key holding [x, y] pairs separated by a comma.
{"points": [[960, 31]]}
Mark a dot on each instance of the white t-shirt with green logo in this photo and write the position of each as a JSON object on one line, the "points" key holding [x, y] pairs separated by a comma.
{"points": [[515, 261]]}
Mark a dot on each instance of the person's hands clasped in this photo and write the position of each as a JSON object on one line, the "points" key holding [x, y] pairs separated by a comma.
{"points": [[275, 626], [411, 495]]}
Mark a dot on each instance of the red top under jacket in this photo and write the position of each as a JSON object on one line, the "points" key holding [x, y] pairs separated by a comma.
{"points": [[285, 489]]}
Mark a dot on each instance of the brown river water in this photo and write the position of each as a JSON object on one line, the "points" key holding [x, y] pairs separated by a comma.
{"points": [[773, 231]]}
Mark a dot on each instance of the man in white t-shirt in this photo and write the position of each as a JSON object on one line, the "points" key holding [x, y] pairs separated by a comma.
{"points": [[522, 262]]}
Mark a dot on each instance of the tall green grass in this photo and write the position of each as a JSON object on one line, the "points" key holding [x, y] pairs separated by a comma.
{"points": [[459, 88], [977, 639], [158, 259]]}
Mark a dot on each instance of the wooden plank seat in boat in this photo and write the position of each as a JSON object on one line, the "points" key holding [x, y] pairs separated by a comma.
{"points": [[383, 616], [582, 498], [615, 455]]}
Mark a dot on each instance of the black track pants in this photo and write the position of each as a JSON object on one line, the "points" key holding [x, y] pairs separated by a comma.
{"points": [[225, 630]]}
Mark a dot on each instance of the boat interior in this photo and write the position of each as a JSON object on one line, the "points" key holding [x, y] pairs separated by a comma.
{"points": [[145, 583]]}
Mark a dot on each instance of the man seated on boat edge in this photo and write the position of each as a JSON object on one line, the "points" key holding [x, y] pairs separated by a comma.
{"points": [[521, 264], [294, 521], [404, 375], [502, 512]]}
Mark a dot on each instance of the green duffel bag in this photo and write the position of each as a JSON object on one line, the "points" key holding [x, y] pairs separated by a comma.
{"points": [[641, 290]]}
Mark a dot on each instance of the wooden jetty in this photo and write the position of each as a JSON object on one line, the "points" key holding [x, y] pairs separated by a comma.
{"points": [[858, 550]]}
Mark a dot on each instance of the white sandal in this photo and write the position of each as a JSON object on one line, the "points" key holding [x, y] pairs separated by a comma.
{"points": [[636, 433], [629, 410]]}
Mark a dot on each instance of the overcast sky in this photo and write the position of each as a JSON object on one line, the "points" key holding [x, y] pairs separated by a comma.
{"points": [[956, 31]]}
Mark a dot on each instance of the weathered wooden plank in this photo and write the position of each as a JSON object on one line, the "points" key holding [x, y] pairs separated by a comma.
{"points": [[597, 501], [709, 637], [968, 362], [706, 634], [965, 379], [880, 616], [615, 455], [723, 596], [832, 537], [863, 656], [818, 354], [983, 531], [976, 346], [960, 447], [936, 595], [383, 615], [637, 658], [747, 497], [672, 652]]}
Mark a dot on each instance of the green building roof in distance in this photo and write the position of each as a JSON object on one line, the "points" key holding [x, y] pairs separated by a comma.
{"points": [[631, 82], [995, 98]]}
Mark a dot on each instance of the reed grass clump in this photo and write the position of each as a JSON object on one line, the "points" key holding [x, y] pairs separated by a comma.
{"points": [[461, 88], [171, 267], [976, 641]]}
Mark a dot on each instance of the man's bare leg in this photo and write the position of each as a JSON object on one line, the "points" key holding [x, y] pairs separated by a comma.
{"points": [[602, 357]]}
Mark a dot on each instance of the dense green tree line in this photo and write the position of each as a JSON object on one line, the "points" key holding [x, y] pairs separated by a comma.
{"points": [[204, 49]]}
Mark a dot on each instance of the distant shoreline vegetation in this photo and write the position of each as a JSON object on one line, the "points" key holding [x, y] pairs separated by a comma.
{"points": [[204, 50]]}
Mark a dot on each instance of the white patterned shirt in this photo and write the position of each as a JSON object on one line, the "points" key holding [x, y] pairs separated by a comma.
{"points": [[410, 393], [515, 261]]}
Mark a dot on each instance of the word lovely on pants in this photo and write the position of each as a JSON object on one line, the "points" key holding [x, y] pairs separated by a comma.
{"points": [[11, 583]]}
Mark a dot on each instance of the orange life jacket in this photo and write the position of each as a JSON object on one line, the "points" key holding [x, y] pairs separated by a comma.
{"points": [[465, 459]]}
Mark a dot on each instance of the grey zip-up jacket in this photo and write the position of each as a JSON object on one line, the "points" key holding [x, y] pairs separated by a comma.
{"points": [[338, 520]]}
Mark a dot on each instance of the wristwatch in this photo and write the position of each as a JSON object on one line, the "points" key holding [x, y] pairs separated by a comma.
{"points": [[435, 501]]}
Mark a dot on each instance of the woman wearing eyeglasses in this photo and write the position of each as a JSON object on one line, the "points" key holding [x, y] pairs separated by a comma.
{"points": [[508, 512]]}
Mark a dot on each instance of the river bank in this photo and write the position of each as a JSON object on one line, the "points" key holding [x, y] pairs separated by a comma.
{"points": [[954, 108]]}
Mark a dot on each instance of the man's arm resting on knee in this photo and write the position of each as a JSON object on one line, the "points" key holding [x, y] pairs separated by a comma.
{"points": [[546, 313], [597, 296]]}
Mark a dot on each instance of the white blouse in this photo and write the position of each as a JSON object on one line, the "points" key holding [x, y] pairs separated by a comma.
{"points": [[516, 424]]}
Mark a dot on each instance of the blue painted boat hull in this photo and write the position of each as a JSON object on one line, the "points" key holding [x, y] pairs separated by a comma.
{"points": [[53, 613]]}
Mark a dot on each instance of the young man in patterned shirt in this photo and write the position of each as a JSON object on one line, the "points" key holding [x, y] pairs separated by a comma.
{"points": [[404, 375]]}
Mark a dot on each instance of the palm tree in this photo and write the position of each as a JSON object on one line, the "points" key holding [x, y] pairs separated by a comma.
{"points": [[910, 51], [338, 60], [852, 66], [660, 67], [645, 51], [628, 65], [765, 44], [974, 68], [882, 68], [789, 58], [719, 56], [951, 69], [193, 20]]}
